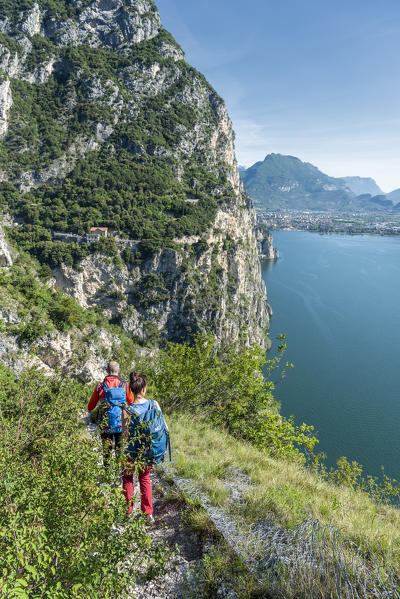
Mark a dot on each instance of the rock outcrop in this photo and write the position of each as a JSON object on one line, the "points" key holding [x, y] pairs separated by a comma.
{"points": [[265, 244], [5, 250], [77, 354], [5, 105]]}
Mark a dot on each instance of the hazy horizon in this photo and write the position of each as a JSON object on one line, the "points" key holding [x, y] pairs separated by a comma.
{"points": [[312, 80]]}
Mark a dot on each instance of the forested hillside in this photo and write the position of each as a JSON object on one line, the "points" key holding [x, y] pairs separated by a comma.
{"points": [[99, 122]]}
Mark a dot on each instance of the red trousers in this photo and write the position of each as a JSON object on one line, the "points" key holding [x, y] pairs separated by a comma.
{"points": [[146, 493]]}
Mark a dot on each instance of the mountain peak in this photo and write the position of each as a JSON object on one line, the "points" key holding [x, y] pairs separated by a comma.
{"points": [[282, 181], [274, 156], [286, 182]]}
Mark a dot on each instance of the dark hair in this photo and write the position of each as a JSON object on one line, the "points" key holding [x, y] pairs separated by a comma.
{"points": [[137, 382]]}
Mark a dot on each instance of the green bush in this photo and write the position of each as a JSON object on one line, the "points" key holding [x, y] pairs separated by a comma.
{"points": [[43, 309], [151, 289], [350, 474], [61, 533], [32, 330], [65, 312], [224, 385]]}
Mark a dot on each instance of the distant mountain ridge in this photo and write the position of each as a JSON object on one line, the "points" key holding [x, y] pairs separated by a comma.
{"points": [[394, 196], [363, 185], [286, 182]]}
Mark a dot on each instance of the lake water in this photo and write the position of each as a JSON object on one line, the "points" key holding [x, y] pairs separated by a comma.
{"points": [[337, 299]]}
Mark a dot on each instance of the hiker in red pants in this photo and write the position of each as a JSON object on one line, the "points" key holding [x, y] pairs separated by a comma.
{"points": [[142, 451]]}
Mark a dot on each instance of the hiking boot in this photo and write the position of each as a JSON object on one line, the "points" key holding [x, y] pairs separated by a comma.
{"points": [[149, 519]]}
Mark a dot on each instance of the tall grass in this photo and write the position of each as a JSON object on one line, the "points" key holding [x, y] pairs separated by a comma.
{"points": [[279, 492]]}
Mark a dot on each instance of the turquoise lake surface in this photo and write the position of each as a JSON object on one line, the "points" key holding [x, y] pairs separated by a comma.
{"points": [[337, 299]]}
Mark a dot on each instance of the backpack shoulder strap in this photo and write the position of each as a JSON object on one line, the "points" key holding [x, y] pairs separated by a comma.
{"points": [[169, 446], [104, 386], [122, 384]]}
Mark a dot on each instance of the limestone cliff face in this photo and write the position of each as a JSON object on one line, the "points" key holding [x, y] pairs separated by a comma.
{"points": [[125, 90], [209, 283], [265, 243], [82, 354], [5, 105], [113, 23], [77, 354]]}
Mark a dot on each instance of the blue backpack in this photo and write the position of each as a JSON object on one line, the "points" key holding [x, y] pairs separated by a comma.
{"points": [[148, 435], [115, 400]]}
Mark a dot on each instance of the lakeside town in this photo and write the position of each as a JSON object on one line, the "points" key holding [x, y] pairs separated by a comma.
{"points": [[331, 222]]}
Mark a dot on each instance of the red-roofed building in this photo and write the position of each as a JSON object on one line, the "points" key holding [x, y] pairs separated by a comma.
{"points": [[102, 231]]}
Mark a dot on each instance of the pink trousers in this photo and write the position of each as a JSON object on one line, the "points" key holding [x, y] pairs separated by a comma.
{"points": [[146, 493]]}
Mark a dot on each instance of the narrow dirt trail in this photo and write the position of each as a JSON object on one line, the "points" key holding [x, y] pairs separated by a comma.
{"points": [[170, 528]]}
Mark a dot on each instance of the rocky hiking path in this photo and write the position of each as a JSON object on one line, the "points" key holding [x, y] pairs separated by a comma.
{"points": [[186, 546], [304, 552], [187, 549]]}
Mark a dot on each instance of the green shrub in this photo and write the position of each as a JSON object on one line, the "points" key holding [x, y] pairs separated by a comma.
{"points": [[44, 309], [351, 474], [65, 312], [61, 535], [151, 289], [32, 330], [224, 385]]}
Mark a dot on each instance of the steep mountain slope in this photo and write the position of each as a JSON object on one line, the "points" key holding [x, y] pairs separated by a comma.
{"points": [[362, 185], [44, 328], [394, 196], [103, 123], [287, 182]]}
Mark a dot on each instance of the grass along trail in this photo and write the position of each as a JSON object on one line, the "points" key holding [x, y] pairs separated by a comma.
{"points": [[184, 527], [274, 515], [210, 491]]}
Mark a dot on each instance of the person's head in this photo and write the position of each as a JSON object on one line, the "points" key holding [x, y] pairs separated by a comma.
{"points": [[138, 383], [113, 368]]}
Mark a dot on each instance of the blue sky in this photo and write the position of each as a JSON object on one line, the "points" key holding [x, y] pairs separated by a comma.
{"points": [[315, 79]]}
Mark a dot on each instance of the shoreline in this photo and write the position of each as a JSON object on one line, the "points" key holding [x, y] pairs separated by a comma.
{"points": [[327, 222], [336, 232]]}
